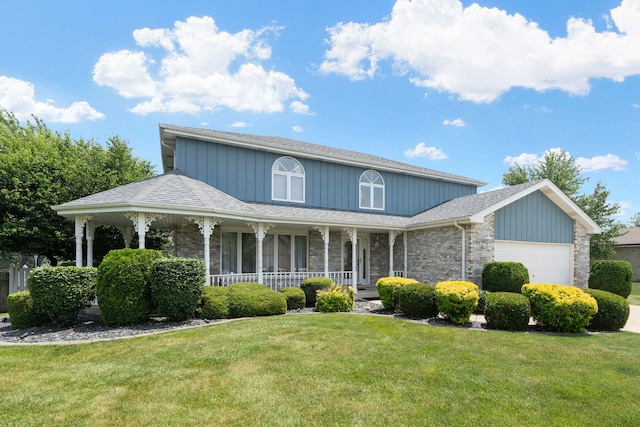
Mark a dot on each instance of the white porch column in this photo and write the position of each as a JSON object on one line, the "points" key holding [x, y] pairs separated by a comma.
{"points": [[353, 236], [91, 227], [404, 242], [141, 222], [260, 229], [392, 241], [324, 232], [126, 236], [206, 226], [80, 221]]}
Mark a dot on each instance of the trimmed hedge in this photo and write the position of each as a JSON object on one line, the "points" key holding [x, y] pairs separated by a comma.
{"points": [[560, 308], [508, 311], [613, 276], [417, 300], [248, 299], [312, 285], [22, 312], [176, 286], [214, 303], [123, 286], [456, 300], [295, 298], [504, 276], [613, 311], [338, 298], [387, 290], [62, 292]]}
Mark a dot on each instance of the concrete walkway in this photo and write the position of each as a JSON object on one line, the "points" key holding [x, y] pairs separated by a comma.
{"points": [[633, 324]]}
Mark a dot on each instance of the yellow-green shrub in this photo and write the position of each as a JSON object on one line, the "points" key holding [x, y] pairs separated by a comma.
{"points": [[560, 308], [387, 290], [456, 300], [338, 298]]}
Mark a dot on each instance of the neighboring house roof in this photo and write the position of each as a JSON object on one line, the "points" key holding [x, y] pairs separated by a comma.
{"points": [[630, 237], [175, 195], [290, 147]]}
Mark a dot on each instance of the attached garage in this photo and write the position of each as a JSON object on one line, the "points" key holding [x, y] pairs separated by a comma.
{"points": [[546, 262]]}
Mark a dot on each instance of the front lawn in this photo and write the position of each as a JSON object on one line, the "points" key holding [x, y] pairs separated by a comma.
{"points": [[634, 297], [326, 369]]}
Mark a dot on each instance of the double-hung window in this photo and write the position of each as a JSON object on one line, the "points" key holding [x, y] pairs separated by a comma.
{"points": [[287, 180], [371, 190]]}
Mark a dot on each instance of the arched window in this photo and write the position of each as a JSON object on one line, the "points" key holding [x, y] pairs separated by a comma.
{"points": [[371, 190], [287, 180]]}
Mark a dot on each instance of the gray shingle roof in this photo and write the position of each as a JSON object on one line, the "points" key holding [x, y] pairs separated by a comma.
{"points": [[630, 236], [287, 146]]}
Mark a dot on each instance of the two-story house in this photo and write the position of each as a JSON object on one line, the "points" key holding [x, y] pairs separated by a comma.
{"points": [[277, 211]]}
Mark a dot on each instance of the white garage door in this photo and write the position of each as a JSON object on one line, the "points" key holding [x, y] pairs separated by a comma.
{"points": [[547, 263]]}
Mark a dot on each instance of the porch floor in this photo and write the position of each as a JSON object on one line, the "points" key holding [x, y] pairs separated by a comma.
{"points": [[369, 292]]}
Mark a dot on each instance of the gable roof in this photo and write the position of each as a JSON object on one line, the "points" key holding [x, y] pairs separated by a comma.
{"points": [[290, 147], [630, 237]]}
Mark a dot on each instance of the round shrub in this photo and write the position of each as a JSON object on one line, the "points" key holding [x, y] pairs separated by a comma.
{"points": [[123, 286], [62, 292], [417, 300], [504, 276], [338, 298], [312, 285], [387, 290], [456, 300], [295, 298], [214, 303], [613, 311], [560, 308], [22, 312], [176, 286], [253, 299], [613, 276], [507, 311]]}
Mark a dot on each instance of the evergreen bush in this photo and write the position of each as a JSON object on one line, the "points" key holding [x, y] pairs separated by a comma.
{"points": [[312, 285], [417, 300], [507, 311], [456, 300], [214, 303], [504, 276], [613, 276], [176, 286], [248, 299], [560, 308], [123, 286], [613, 311], [338, 298], [62, 292], [387, 290], [22, 312], [295, 298]]}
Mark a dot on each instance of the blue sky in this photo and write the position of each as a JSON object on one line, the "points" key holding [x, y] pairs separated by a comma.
{"points": [[461, 87]]}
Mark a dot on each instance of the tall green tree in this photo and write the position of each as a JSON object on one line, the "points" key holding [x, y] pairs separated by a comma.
{"points": [[635, 220], [40, 168], [560, 168]]}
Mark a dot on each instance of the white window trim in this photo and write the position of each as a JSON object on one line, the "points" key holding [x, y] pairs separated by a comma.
{"points": [[288, 176], [371, 186]]}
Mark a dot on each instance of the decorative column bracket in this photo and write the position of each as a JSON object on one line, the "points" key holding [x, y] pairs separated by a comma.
{"points": [[260, 229], [323, 230], [200, 222], [136, 217]]}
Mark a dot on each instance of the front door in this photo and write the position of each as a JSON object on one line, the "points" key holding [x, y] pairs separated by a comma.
{"points": [[362, 261]]}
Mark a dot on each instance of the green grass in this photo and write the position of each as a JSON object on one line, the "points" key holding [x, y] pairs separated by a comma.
{"points": [[634, 297], [326, 369]]}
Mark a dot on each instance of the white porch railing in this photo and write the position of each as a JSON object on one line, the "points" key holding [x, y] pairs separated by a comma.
{"points": [[277, 281], [18, 278], [398, 273]]}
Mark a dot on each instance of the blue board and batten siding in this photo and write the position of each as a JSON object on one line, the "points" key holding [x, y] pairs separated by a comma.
{"points": [[246, 175], [533, 218]]}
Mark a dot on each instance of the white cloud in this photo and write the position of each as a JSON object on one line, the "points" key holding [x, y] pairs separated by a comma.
{"points": [[203, 68], [421, 150], [240, 125], [600, 163], [297, 129], [594, 164], [479, 52], [18, 97], [455, 122], [635, 105]]}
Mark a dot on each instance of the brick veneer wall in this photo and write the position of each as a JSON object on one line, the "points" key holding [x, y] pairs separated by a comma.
{"points": [[631, 254], [480, 248], [434, 254], [189, 243]]}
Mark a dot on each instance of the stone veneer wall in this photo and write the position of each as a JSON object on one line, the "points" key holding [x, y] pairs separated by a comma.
{"points": [[189, 243], [581, 256]]}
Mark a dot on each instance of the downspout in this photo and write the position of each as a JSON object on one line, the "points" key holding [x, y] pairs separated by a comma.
{"points": [[464, 249]]}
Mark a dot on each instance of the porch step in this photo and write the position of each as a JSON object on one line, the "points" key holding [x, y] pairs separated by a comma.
{"points": [[368, 292]]}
